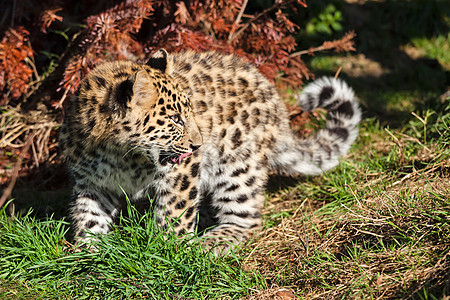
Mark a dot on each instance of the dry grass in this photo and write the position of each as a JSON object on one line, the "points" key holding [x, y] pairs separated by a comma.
{"points": [[19, 132], [391, 241], [15, 123]]}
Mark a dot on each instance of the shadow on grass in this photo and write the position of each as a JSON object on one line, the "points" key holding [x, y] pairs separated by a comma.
{"points": [[405, 80], [45, 190]]}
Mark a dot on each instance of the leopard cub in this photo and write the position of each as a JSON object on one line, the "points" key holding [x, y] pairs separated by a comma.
{"points": [[193, 131]]}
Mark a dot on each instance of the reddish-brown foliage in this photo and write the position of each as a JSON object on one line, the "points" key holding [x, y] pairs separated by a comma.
{"points": [[264, 38], [48, 17], [15, 73], [132, 29], [107, 37]]}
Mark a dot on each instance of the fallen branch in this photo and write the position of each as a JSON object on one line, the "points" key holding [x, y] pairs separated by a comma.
{"points": [[7, 192]]}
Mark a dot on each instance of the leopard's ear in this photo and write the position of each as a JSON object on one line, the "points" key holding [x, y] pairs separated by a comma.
{"points": [[160, 60], [144, 92]]}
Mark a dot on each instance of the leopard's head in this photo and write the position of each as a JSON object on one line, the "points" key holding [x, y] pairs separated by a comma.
{"points": [[155, 114]]}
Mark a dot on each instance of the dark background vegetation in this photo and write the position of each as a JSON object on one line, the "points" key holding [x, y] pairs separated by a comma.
{"points": [[391, 240]]}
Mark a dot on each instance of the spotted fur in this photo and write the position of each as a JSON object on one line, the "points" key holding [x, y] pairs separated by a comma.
{"points": [[199, 132]]}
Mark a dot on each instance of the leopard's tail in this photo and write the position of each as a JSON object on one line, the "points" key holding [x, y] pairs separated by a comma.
{"points": [[320, 152]]}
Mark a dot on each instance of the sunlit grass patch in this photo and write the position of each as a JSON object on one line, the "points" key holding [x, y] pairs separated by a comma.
{"points": [[136, 260]]}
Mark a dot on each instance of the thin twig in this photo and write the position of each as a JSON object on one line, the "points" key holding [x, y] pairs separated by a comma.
{"points": [[396, 140], [61, 101], [7, 192], [238, 19], [254, 18], [328, 45], [338, 72], [308, 51]]}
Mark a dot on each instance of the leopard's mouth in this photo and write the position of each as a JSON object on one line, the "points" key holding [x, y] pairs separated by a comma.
{"points": [[178, 159]]}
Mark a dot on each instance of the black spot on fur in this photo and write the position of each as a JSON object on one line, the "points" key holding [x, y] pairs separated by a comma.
{"points": [[93, 100], [150, 129], [244, 115], [121, 74], [224, 199], [242, 198], [175, 223], [160, 122], [221, 184], [194, 169], [185, 183], [236, 138], [251, 100], [345, 109], [91, 124], [207, 78], [326, 93], [221, 150], [340, 132], [181, 204], [187, 67], [223, 133], [232, 188], [189, 212], [243, 82], [230, 119], [250, 181], [91, 223], [256, 112], [202, 106], [87, 85], [100, 81], [241, 214], [147, 117], [172, 200], [163, 192], [239, 171], [103, 109], [193, 193]]}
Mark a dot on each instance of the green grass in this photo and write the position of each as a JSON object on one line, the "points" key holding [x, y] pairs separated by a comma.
{"points": [[137, 260], [436, 48]]}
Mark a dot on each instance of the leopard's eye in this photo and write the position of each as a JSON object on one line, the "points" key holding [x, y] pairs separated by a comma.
{"points": [[177, 119]]}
